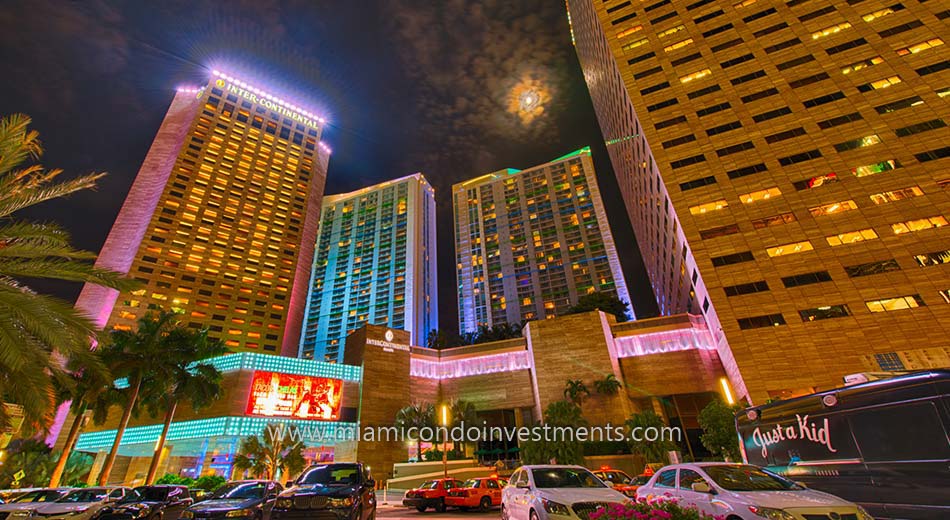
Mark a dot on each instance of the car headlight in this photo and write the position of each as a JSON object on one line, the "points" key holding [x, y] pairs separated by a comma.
{"points": [[772, 513], [555, 508], [863, 514], [187, 514], [340, 502], [239, 513], [284, 503]]}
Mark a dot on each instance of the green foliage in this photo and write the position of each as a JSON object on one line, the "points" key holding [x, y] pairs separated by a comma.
{"points": [[575, 390], [38, 333], [563, 451], [418, 416], [719, 436], [609, 385], [210, 482], [652, 451], [435, 454], [37, 461], [278, 454], [601, 301], [170, 478]]}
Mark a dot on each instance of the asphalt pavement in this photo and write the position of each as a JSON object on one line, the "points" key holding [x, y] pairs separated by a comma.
{"points": [[398, 512]]}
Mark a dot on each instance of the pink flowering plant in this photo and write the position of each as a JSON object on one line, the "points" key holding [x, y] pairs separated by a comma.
{"points": [[653, 508]]}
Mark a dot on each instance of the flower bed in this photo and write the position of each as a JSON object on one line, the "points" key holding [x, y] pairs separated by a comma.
{"points": [[655, 508]]}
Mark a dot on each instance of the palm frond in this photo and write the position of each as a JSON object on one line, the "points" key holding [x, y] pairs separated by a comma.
{"points": [[62, 269], [17, 142], [37, 194]]}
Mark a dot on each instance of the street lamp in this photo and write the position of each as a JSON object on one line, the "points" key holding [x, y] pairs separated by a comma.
{"points": [[445, 429]]}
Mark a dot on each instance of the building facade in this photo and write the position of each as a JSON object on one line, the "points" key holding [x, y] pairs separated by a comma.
{"points": [[783, 165], [530, 243], [221, 218], [375, 263]]}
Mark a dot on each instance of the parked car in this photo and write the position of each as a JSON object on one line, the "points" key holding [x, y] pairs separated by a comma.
{"points": [[248, 499], [618, 480], [432, 493], [881, 444], [343, 491], [482, 493], [80, 504], [743, 491], [165, 502], [551, 491], [23, 505]]}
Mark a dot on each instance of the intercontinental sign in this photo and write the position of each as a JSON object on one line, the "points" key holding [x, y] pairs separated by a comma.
{"points": [[388, 345], [267, 103]]}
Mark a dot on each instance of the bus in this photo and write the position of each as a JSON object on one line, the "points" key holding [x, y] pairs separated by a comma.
{"points": [[882, 444]]}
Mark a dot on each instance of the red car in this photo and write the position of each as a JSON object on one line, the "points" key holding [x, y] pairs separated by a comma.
{"points": [[431, 493], [619, 480], [482, 493]]}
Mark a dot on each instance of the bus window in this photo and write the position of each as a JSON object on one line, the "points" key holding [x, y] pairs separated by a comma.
{"points": [[905, 432]]}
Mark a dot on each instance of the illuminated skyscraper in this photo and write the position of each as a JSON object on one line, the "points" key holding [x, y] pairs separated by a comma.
{"points": [[530, 243], [784, 166], [220, 219], [374, 263]]}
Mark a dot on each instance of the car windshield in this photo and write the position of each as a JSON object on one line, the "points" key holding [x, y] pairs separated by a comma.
{"points": [[748, 478], [639, 480], [565, 478], [616, 477], [146, 494], [335, 475], [240, 491], [85, 495], [471, 483], [430, 484], [43, 495]]}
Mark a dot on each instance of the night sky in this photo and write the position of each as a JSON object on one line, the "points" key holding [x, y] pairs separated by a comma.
{"points": [[406, 85]]}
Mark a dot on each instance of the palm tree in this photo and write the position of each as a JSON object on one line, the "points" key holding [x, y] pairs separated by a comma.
{"points": [[463, 414], [192, 381], [38, 334], [417, 416], [609, 385], [87, 387], [575, 391], [137, 356], [280, 451]]}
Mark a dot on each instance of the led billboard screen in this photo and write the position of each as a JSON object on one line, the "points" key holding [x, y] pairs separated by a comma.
{"points": [[288, 395]]}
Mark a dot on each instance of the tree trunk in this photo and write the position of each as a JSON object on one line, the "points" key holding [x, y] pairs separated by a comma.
{"points": [[418, 450], [126, 414], [68, 446], [160, 446]]}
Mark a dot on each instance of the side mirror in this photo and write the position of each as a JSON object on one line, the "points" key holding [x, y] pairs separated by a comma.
{"points": [[289, 483], [701, 487]]}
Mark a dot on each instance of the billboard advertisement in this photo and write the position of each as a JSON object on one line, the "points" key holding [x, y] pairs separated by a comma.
{"points": [[300, 397]]}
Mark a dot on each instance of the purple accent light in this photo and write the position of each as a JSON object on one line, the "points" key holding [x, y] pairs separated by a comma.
{"points": [[694, 338], [472, 366]]}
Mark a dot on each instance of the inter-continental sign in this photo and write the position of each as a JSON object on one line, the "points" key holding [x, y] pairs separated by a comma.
{"points": [[388, 345], [266, 103]]}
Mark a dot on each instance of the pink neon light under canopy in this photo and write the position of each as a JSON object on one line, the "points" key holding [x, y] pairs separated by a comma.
{"points": [[268, 96], [667, 341], [474, 366]]}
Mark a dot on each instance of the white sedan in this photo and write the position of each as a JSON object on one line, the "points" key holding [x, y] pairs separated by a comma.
{"points": [[553, 492], [742, 491], [79, 504]]}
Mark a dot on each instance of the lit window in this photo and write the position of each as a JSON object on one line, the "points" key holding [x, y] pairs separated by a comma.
{"points": [[824, 313], [895, 304], [871, 169], [709, 206], [678, 45], [695, 75], [884, 83], [922, 46], [945, 294], [790, 249], [895, 195], [830, 30], [744, 3], [877, 14], [634, 45], [766, 194], [863, 64], [628, 32], [835, 207], [918, 225], [672, 30], [851, 237]]}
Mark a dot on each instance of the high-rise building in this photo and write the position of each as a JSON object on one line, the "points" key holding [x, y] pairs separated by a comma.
{"points": [[784, 168], [221, 218], [374, 263], [529, 243]]}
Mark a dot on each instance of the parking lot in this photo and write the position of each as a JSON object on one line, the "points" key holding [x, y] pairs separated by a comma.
{"points": [[395, 512]]}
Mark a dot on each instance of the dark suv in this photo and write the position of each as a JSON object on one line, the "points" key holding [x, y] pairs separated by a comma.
{"points": [[148, 503], [244, 499], [342, 491]]}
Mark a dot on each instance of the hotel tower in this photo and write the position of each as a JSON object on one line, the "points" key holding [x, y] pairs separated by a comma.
{"points": [[529, 243], [374, 263], [785, 168], [221, 218]]}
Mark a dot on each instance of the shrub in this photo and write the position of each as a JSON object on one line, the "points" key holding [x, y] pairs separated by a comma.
{"points": [[210, 482], [656, 508]]}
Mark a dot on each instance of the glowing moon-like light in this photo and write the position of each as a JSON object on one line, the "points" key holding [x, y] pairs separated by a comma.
{"points": [[527, 99]]}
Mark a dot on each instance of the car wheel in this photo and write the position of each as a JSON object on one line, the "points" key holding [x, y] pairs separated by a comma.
{"points": [[504, 513], [440, 507], [421, 509], [372, 515], [485, 504], [533, 515]]}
